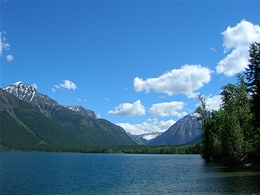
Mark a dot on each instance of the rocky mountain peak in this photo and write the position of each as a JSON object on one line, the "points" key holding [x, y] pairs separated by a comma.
{"points": [[22, 91], [28, 93]]}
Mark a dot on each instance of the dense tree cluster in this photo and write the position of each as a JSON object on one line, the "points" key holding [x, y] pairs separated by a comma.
{"points": [[231, 135]]}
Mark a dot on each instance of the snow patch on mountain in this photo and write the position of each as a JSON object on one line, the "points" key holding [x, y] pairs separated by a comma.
{"points": [[83, 111], [21, 90], [150, 136]]}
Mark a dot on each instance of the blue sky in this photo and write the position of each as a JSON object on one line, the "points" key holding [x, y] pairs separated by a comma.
{"points": [[139, 64]]}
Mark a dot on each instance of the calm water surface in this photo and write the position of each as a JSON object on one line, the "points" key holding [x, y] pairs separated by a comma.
{"points": [[73, 173]]}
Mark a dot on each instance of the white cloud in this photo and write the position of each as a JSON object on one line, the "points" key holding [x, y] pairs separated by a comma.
{"points": [[213, 49], [35, 86], [9, 58], [212, 102], [3, 44], [81, 100], [166, 124], [128, 109], [237, 39], [167, 109], [148, 126], [67, 84], [185, 80]]}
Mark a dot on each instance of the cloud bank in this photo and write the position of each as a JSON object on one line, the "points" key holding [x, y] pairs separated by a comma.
{"points": [[212, 102], [167, 109], [148, 126], [185, 80], [128, 109], [237, 40]]}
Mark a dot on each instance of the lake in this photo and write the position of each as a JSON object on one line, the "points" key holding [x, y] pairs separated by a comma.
{"points": [[78, 173]]}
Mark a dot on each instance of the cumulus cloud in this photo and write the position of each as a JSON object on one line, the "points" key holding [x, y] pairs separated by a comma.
{"points": [[212, 102], [66, 84], [185, 80], [167, 109], [128, 109], [237, 39], [9, 58], [148, 126]]}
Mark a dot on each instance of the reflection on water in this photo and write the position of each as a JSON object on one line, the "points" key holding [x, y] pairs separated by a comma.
{"points": [[232, 180], [70, 173]]}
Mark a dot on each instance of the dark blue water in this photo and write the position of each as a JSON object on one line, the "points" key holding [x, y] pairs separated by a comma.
{"points": [[74, 173]]}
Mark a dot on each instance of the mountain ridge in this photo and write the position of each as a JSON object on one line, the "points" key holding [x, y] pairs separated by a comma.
{"points": [[76, 121], [181, 132]]}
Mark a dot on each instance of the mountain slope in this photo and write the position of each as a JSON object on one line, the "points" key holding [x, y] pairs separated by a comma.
{"points": [[24, 127], [179, 133], [34, 112]]}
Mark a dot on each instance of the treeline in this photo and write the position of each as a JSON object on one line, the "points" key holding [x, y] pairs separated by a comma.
{"points": [[137, 149], [231, 135]]}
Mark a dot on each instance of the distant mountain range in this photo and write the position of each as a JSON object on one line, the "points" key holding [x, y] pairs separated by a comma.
{"points": [[184, 131], [31, 120]]}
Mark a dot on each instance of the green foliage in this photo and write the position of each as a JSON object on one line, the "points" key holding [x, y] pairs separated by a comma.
{"points": [[232, 134], [206, 126], [27, 127], [253, 87]]}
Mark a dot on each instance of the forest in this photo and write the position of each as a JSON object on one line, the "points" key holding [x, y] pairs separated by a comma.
{"points": [[231, 135]]}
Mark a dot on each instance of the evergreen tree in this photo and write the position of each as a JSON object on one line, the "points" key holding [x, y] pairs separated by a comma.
{"points": [[232, 135], [206, 129], [244, 113], [253, 77], [253, 86]]}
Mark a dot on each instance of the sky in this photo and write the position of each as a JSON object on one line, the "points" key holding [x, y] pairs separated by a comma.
{"points": [[138, 64]]}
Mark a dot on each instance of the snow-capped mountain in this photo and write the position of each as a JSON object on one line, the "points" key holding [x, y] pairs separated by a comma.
{"points": [[150, 136], [145, 138], [28, 93], [181, 132]]}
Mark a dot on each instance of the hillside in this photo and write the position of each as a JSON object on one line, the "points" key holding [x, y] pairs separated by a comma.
{"points": [[30, 120], [183, 131]]}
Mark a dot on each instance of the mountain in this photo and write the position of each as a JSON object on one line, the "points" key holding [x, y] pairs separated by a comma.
{"points": [[145, 138], [29, 94], [84, 111], [24, 127], [28, 116], [182, 132]]}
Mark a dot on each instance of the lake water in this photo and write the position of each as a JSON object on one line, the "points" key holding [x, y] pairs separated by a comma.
{"points": [[77, 173]]}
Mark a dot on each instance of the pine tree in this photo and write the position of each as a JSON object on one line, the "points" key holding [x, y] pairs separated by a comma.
{"points": [[253, 87], [206, 129], [232, 134], [253, 77]]}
